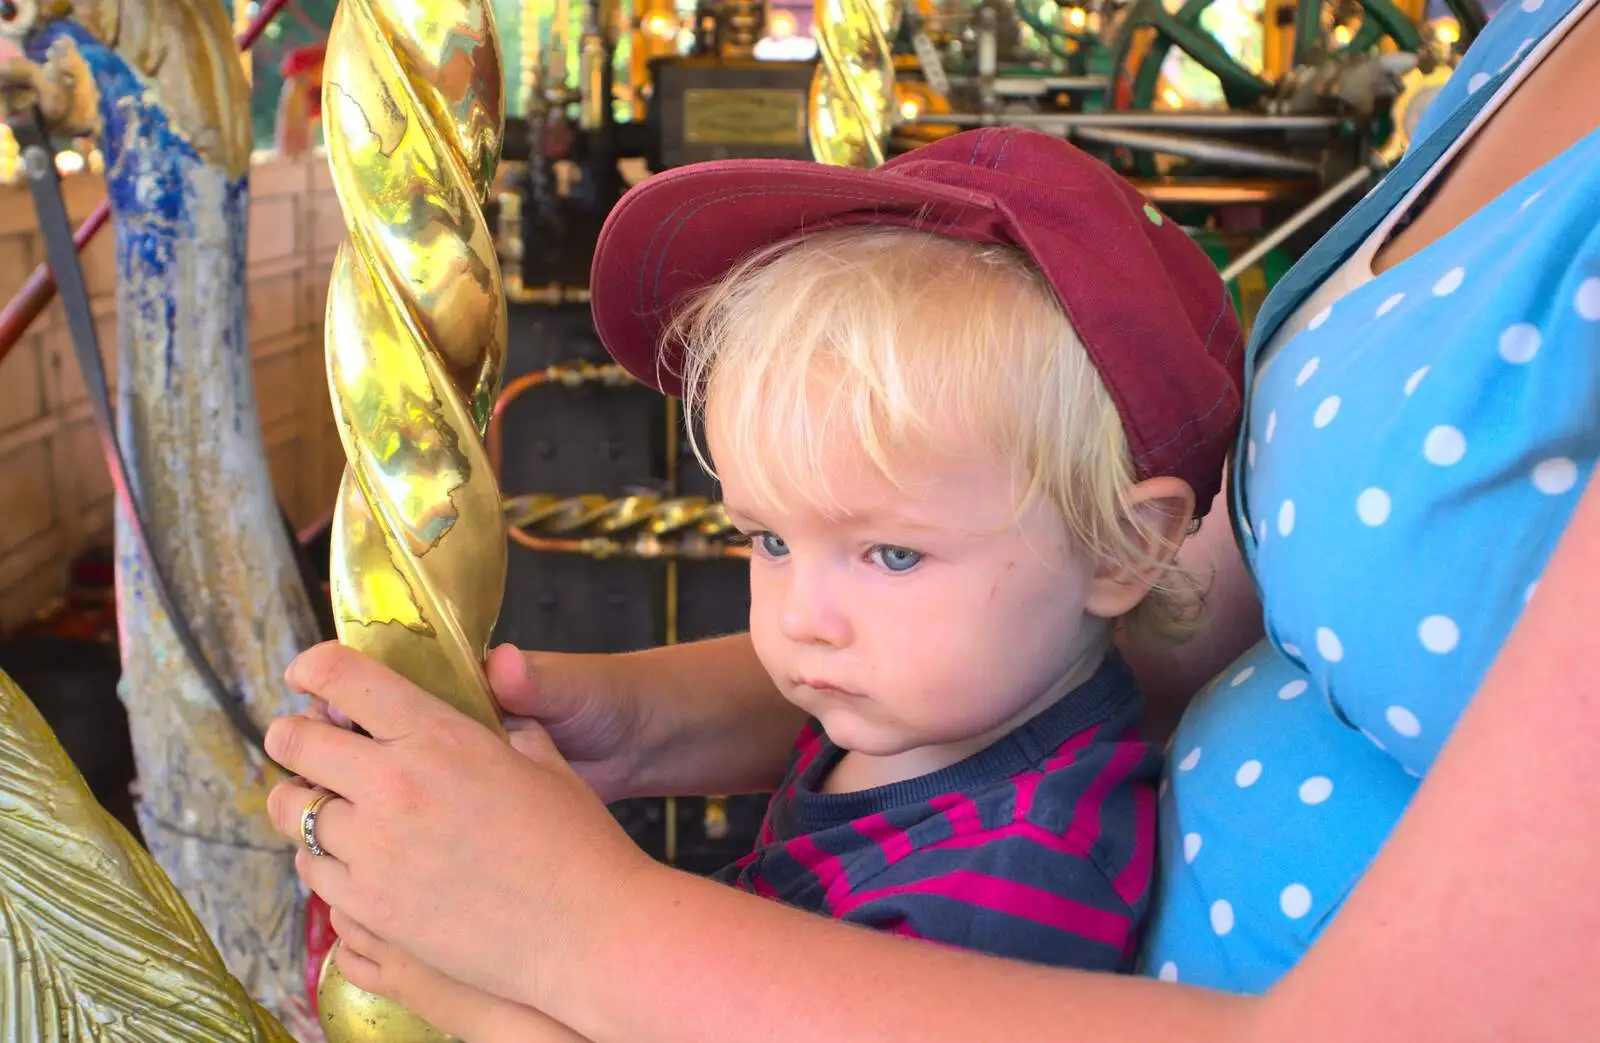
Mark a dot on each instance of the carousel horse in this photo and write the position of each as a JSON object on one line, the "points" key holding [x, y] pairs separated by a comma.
{"points": [[160, 85]]}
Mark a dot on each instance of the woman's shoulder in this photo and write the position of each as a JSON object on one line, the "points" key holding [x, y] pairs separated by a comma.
{"points": [[1516, 28]]}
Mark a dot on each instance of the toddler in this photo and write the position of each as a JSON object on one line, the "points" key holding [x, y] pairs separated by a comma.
{"points": [[964, 407]]}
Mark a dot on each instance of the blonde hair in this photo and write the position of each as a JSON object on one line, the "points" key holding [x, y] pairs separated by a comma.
{"points": [[904, 337]]}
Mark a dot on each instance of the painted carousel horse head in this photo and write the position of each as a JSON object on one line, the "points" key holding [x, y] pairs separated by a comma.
{"points": [[182, 48]]}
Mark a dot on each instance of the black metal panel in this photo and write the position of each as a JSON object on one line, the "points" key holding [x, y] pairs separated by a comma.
{"points": [[570, 441]]}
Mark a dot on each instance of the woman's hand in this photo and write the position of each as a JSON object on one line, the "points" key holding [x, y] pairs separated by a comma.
{"points": [[442, 840]]}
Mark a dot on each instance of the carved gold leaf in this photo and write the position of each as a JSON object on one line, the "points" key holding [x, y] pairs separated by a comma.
{"points": [[95, 942]]}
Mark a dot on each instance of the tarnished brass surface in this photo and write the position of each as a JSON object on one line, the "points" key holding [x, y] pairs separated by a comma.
{"points": [[416, 335], [416, 340], [852, 92], [95, 942], [348, 1013]]}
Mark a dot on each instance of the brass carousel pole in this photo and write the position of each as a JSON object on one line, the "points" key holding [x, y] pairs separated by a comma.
{"points": [[416, 340]]}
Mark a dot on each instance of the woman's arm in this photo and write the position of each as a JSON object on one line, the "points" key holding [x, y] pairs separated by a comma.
{"points": [[1479, 920]]}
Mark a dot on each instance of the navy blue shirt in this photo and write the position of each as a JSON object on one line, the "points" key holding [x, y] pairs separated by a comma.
{"points": [[1040, 847]]}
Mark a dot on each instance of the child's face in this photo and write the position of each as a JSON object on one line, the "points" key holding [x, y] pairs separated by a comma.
{"points": [[921, 617]]}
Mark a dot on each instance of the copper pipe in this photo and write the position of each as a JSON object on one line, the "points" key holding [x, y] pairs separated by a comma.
{"points": [[40, 289], [513, 390]]}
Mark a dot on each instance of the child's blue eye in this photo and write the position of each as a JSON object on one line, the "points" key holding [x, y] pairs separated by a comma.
{"points": [[897, 559], [770, 544]]}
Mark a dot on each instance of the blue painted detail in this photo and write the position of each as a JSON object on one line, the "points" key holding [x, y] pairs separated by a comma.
{"points": [[151, 179]]}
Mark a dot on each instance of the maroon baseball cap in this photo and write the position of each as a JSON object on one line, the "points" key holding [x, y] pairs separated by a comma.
{"points": [[1149, 306]]}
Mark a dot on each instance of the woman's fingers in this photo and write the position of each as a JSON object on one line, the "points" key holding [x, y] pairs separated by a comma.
{"points": [[287, 804], [322, 753], [380, 701]]}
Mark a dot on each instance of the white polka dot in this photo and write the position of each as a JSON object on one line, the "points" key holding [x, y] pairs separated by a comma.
{"points": [[1221, 916], [1404, 722], [1532, 5], [1450, 282], [1414, 379], [1588, 300], [1328, 645], [1389, 305], [1250, 452], [1326, 411], [1444, 446], [1475, 84], [1372, 506], [1307, 372], [1261, 531], [1519, 343], [1189, 761], [1272, 424], [1316, 789], [1319, 318], [1292, 689], [1555, 475], [1295, 901], [1168, 972], [1535, 197], [1286, 518], [1291, 650], [1247, 774], [1439, 634], [1243, 675], [1527, 595], [1191, 846]]}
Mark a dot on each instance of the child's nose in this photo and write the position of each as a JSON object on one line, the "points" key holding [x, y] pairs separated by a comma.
{"points": [[813, 612]]}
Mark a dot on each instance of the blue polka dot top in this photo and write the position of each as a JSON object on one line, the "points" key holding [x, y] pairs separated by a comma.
{"points": [[1409, 458]]}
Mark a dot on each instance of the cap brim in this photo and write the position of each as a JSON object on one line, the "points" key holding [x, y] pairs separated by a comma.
{"points": [[680, 230]]}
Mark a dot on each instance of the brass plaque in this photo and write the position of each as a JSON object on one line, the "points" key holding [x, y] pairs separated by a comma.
{"points": [[744, 116]]}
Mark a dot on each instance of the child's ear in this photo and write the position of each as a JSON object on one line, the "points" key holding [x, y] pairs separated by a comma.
{"points": [[1160, 511]]}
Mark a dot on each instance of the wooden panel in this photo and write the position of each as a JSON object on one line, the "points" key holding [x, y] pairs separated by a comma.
{"points": [[327, 224], [17, 259], [273, 229], [21, 385], [63, 379], [26, 478], [288, 465], [274, 305], [90, 481]]}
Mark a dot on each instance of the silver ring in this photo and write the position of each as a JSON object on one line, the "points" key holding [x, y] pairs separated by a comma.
{"points": [[308, 822]]}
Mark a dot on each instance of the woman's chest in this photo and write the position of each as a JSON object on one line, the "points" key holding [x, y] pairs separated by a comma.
{"points": [[1412, 456]]}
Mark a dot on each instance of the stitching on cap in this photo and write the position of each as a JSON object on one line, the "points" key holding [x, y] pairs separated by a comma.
{"points": [[654, 282], [1000, 154]]}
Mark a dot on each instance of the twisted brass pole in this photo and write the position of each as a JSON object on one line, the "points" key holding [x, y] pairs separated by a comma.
{"points": [[416, 338], [852, 91]]}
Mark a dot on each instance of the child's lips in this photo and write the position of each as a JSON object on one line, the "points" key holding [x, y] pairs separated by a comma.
{"points": [[819, 685]]}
